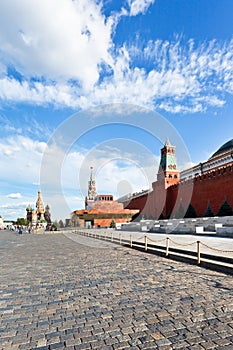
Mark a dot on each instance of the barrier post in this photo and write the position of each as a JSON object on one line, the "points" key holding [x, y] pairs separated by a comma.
{"points": [[131, 241], [167, 246], [145, 243], [198, 253]]}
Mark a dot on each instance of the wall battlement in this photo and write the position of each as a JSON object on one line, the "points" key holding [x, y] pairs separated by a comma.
{"points": [[205, 192]]}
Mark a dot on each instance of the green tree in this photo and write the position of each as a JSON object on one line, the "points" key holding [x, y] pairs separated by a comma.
{"points": [[137, 218], [209, 212], [112, 224], [22, 222], [161, 216], [74, 220], [191, 212], [78, 224], [55, 225], [180, 212], [61, 224], [225, 209]]}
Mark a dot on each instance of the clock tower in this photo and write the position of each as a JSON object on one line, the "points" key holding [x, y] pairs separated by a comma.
{"points": [[168, 171]]}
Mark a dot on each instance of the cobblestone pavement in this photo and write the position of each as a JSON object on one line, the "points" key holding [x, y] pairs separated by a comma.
{"points": [[56, 293]]}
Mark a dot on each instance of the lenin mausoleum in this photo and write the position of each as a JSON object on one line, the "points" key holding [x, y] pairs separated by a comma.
{"points": [[203, 190], [101, 210]]}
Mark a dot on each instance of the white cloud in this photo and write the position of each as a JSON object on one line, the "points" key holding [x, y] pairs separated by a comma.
{"points": [[63, 59], [139, 6], [20, 159], [12, 211], [113, 161], [65, 41], [182, 78], [14, 195]]}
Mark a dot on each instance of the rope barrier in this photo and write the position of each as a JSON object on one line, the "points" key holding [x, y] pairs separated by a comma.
{"points": [[156, 241], [218, 250], [146, 239], [143, 237], [182, 245]]}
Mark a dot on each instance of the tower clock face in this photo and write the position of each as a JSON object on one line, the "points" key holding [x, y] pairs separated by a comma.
{"points": [[172, 166]]}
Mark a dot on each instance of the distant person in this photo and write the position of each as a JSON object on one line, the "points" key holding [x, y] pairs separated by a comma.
{"points": [[20, 231]]}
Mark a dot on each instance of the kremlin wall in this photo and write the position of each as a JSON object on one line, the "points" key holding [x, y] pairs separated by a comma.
{"points": [[204, 190]]}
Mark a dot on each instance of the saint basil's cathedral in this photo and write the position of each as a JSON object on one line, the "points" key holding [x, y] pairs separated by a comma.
{"points": [[39, 216]]}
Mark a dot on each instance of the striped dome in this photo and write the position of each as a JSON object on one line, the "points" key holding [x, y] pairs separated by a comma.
{"points": [[224, 148]]}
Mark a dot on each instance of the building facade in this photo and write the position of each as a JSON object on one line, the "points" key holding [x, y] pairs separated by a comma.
{"points": [[38, 216], [100, 209], [203, 190]]}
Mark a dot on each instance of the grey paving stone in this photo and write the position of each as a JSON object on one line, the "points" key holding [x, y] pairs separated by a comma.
{"points": [[59, 294]]}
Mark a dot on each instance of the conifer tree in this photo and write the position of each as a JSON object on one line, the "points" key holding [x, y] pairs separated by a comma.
{"points": [[191, 212], [180, 212], [112, 224], [209, 212], [225, 209]]}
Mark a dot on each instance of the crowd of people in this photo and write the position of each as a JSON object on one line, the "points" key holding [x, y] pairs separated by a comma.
{"points": [[24, 229]]}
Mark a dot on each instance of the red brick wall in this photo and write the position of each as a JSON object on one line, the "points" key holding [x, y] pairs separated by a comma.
{"points": [[213, 188], [137, 203], [107, 222]]}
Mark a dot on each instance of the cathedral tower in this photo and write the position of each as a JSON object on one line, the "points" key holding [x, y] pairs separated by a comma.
{"points": [[40, 208]]}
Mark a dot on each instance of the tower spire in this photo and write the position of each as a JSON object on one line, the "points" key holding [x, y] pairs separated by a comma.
{"points": [[91, 194], [167, 143], [91, 186], [91, 174]]}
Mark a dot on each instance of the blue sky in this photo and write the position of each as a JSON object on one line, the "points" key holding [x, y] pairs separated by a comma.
{"points": [[60, 59]]}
